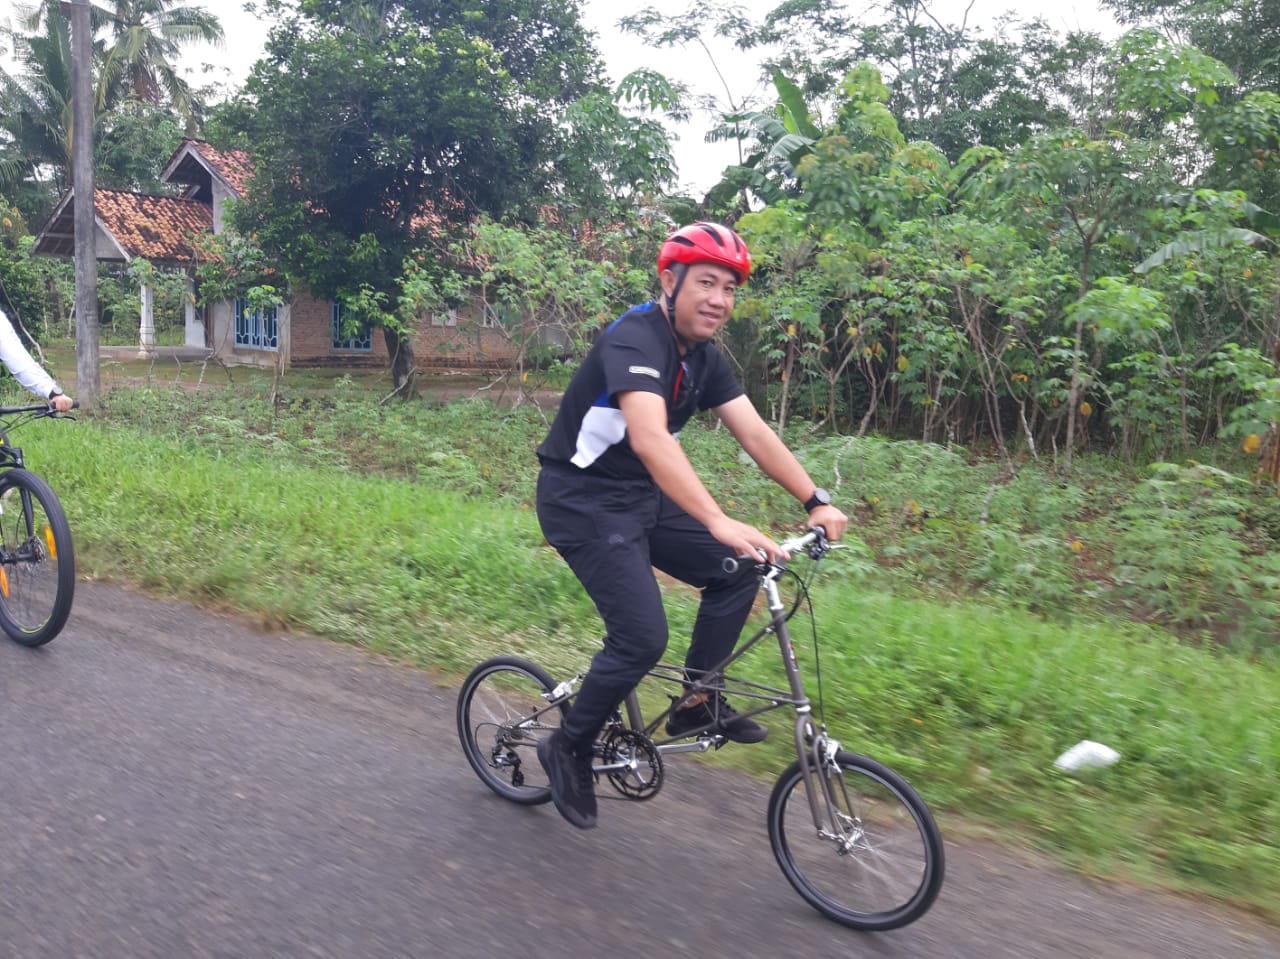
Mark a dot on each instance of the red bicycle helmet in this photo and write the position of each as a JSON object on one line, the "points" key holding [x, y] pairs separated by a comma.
{"points": [[704, 242]]}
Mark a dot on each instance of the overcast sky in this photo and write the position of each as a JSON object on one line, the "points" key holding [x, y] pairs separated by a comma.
{"points": [[700, 164]]}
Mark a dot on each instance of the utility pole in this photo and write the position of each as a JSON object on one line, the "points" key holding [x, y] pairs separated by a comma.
{"points": [[86, 260]]}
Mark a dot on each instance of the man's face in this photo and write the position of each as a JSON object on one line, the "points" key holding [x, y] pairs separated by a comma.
{"points": [[705, 300]]}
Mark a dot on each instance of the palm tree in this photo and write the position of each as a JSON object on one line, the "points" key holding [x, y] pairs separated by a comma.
{"points": [[137, 63], [147, 37], [35, 105]]}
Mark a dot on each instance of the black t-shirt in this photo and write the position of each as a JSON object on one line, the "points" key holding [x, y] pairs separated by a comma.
{"points": [[637, 352]]}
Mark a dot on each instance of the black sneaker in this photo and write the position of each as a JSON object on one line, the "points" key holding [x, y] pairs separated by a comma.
{"points": [[572, 781], [739, 729]]}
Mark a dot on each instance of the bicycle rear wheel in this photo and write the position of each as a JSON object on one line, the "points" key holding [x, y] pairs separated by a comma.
{"points": [[876, 862], [503, 712], [37, 561]]}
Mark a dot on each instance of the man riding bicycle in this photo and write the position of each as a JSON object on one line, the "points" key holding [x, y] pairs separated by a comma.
{"points": [[617, 497]]}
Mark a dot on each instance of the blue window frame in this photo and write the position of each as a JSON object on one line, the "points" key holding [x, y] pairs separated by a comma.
{"points": [[257, 329], [362, 342]]}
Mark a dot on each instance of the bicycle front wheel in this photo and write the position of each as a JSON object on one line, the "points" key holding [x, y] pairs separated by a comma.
{"points": [[504, 711], [37, 561], [874, 859]]}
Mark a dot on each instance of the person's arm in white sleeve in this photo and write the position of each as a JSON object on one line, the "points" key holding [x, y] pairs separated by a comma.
{"points": [[22, 364]]}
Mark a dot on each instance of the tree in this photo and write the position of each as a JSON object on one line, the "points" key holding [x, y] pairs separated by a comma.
{"points": [[21, 296], [35, 113], [147, 37], [138, 95], [132, 143], [948, 83], [616, 154], [375, 125], [1243, 34]]}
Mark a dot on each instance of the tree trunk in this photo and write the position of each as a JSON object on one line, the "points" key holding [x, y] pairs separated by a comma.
{"points": [[86, 259], [402, 362], [1073, 394], [787, 369]]}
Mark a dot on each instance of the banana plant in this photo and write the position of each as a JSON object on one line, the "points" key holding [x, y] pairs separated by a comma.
{"points": [[783, 136]]}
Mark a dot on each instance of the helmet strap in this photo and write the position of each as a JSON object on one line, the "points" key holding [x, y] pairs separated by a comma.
{"points": [[669, 306]]}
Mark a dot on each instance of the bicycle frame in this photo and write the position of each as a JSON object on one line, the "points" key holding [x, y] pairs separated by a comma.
{"points": [[824, 748]]}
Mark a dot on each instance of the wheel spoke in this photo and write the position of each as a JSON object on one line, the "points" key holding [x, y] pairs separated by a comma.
{"points": [[877, 861], [502, 715], [37, 580]]}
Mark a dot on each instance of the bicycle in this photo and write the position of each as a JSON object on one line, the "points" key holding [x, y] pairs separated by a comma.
{"points": [[851, 835], [37, 559]]}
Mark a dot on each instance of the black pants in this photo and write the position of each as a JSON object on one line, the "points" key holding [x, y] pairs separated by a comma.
{"points": [[612, 533]]}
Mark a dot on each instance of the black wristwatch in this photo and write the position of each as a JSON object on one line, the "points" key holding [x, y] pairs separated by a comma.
{"points": [[56, 391], [820, 497]]}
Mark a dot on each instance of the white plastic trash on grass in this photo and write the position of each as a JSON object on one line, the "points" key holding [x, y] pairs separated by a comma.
{"points": [[1086, 754]]}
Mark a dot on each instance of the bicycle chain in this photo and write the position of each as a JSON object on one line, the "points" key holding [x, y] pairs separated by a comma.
{"points": [[644, 779]]}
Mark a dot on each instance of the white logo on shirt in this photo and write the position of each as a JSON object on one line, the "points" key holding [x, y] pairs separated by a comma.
{"points": [[646, 370]]}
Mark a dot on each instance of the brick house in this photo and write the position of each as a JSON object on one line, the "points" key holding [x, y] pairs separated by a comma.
{"points": [[302, 332]]}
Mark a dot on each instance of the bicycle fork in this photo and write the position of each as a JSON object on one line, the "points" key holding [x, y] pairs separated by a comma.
{"points": [[815, 749]]}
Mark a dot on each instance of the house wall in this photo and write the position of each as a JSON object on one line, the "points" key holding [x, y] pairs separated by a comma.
{"points": [[306, 340], [193, 317], [220, 321], [105, 248], [311, 329], [458, 339], [221, 194], [464, 345]]}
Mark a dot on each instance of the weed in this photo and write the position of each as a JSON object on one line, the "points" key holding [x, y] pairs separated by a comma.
{"points": [[408, 528]]}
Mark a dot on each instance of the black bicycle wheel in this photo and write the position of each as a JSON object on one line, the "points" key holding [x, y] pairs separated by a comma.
{"points": [[503, 712], [876, 861], [37, 561]]}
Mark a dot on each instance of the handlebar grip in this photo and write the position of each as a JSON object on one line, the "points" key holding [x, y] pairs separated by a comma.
{"points": [[731, 564]]}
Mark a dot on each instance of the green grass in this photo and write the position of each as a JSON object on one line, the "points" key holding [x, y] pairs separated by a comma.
{"points": [[965, 640]]}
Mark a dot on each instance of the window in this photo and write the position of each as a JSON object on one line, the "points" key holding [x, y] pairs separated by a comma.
{"points": [[445, 318], [257, 329], [362, 341], [490, 319]]}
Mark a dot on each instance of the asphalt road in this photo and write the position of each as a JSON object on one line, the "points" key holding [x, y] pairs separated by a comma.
{"points": [[175, 783]]}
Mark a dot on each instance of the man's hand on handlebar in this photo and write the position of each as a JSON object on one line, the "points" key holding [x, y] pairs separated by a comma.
{"points": [[832, 520], [746, 540]]}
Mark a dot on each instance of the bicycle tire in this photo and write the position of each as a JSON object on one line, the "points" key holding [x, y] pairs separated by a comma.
{"points": [[37, 559], [885, 869], [502, 715]]}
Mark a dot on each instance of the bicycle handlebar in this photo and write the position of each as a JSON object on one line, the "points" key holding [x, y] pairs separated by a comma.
{"points": [[39, 409], [815, 539]]}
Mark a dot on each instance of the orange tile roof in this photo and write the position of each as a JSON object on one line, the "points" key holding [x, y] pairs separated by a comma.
{"points": [[234, 166], [157, 228]]}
